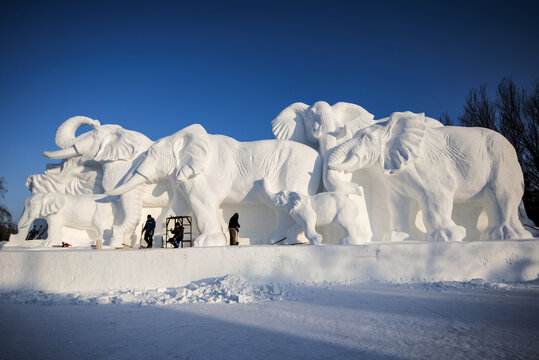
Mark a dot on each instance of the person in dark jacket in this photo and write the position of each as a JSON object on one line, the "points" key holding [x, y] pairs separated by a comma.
{"points": [[177, 235], [234, 228], [149, 228]]}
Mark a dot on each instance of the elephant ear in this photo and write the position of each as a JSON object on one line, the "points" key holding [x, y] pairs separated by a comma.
{"points": [[119, 145], [351, 118], [51, 204], [402, 141], [191, 148], [290, 125]]}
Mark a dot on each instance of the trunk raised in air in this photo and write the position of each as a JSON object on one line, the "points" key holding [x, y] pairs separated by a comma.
{"points": [[65, 135]]}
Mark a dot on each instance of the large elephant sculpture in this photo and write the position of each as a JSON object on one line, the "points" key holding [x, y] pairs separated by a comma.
{"points": [[117, 152], [83, 212], [215, 169], [323, 127], [437, 166]]}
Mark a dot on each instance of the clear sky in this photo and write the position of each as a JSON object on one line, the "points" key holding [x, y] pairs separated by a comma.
{"points": [[155, 66]]}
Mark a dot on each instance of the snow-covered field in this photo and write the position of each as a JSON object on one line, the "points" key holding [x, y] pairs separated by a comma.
{"points": [[377, 301], [230, 318]]}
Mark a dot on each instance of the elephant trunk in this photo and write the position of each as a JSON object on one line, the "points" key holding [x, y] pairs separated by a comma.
{"points": [[131, 202], [337, 157], [24, 221], [65, 136], [324, 129], [348, 165]]}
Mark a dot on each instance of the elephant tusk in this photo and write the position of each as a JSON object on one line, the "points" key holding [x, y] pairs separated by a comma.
{"points": [[134, 181], [62, 154], [348, 165]]}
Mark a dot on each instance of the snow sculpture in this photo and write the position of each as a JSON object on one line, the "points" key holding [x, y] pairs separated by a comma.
{"points": [[323, 127], [67, 177], [116, 151], [322, 209], [435, 167], [214, 169], [407, 162], [94, 162], [84, 212]]}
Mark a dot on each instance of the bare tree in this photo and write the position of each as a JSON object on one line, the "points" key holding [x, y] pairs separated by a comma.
{"points": [[7, 226], [479, 110], [530, 136], [445, 119], [515, 114]]}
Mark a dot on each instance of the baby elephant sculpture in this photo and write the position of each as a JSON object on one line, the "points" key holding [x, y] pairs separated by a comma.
{"points": [[89, 212], [322, 209], [435, 167]]}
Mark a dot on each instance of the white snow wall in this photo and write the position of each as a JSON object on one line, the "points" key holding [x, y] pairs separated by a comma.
{"points": [[67, 270]]}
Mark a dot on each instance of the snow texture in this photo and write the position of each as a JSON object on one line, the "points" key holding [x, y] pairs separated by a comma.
{"points": [[73, 270], [378, 177], [327, 320], [230, 288]]}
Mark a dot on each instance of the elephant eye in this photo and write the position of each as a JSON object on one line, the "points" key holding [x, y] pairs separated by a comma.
{"points": [[367, 139]]}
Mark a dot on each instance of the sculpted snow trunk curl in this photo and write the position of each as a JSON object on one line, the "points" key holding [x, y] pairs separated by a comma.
{"points": [[65, 135]]}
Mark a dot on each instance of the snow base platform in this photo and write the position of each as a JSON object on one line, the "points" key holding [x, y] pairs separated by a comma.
{"points": [[69, 270]]}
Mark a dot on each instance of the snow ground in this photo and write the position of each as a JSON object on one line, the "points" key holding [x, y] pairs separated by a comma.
{"points": [[228, 318]]}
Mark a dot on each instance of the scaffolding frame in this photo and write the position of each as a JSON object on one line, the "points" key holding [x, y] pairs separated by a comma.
{"points": [[187, 223]]}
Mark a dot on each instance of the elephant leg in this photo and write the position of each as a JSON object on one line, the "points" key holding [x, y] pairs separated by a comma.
{"points": [[502, 210], [308, 221], [205, 213], [19, 238], [131, 204], [437, 211], [354, 232], [54, 234], [399, 214], [293, 233]]}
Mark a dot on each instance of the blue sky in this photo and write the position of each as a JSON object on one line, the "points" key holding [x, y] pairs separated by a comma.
{"points": [[155, 66]]}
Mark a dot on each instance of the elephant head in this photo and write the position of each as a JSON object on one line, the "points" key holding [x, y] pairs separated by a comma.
{"points": [[104, 144], [39, 206], [183, 156], [115, 150], [320, 125], [391, 144], [323, 127]]}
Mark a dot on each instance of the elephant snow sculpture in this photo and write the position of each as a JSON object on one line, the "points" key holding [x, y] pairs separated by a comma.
{"points": [[323, 127], [212, 169], [322, 209], [435, 167], [87, 212], [116, 151]]}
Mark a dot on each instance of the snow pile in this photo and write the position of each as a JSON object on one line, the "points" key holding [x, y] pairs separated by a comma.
{"points": [[231, 288]]}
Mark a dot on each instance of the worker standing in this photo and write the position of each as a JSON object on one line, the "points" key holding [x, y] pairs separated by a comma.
{"points": [[149, 228], [234, 228]]}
